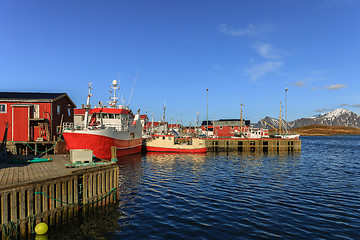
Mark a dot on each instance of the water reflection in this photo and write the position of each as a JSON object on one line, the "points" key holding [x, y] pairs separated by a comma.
{"points": [[101, 225], [307, 195]]}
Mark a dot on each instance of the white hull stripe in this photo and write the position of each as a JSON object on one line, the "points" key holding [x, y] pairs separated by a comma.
{"points": [[128, 147]]}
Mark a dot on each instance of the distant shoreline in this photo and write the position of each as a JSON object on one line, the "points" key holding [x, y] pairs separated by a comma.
{"points": [[321, 130]]}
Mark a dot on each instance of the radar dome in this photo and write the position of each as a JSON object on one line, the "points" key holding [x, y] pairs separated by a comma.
{"points": [[114, 82]]}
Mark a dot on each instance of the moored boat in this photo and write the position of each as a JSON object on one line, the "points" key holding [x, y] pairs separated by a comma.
{"points": [[115, 126], [170, 143]]}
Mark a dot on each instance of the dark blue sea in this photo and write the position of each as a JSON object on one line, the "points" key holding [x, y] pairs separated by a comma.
{"points": [[313, 194]]}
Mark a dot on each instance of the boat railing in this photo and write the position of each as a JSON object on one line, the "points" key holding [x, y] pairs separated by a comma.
{"points": [[118, 127]]}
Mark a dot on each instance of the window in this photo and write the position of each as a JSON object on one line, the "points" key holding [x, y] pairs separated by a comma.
{"points": [[58, 109], [69, 112], [36, 111], [2, 108]]}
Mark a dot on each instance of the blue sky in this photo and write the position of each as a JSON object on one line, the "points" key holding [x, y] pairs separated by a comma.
{"points": [[246, 52]]}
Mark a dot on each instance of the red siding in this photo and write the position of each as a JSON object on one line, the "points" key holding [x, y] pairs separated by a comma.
{"points": [[20, 122], [6, 117]]}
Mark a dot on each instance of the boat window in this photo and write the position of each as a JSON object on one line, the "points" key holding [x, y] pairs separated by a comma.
{"points": [[169, 138], [105, 115], [117, 116], [163, 138], [111, 116]]}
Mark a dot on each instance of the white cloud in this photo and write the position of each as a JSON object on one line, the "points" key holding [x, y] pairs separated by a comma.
{"points": [[322, 110], [336, 86], [263, 68], [265, 50], [299, 84], [348, 105], [251, 29]]}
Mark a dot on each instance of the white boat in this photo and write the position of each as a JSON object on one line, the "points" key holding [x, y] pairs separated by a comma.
{"points": [[170, 143], [113, 126]]}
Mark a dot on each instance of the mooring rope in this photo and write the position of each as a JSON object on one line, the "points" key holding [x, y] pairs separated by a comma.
{"points": [[48, 149], [7, 231], [80, 204]]}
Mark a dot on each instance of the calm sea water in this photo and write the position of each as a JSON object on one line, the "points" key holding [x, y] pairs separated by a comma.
{"points": [[314, 194]]}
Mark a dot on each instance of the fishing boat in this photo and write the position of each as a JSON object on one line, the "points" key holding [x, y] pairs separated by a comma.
{"points": [[174, 144], [113, 126]]}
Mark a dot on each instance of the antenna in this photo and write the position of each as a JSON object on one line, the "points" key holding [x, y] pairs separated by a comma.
{"points": [[137, 74], [113, 98], [164, 110], [241, 116]]}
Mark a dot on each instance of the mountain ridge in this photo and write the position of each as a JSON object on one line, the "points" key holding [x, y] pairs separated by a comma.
{"points": [[338, 117]]}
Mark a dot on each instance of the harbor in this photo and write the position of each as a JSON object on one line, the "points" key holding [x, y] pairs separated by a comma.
{"points": [[74, 172]]}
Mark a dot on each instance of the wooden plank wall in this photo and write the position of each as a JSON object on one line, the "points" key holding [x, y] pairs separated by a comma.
{"points": [[253, 145], [56, 201]]}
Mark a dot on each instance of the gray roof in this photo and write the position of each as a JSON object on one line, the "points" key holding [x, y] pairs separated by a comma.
{"points": [[29, 95], [32, 97]]}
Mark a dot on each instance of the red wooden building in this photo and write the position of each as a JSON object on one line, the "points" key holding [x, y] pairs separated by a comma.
{"points": [[34, 116]]}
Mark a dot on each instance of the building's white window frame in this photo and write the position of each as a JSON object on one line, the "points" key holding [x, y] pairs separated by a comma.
{"points": [[3, 108]]}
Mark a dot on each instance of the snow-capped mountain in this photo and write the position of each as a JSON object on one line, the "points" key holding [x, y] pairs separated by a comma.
{"points": [[337, 117]]}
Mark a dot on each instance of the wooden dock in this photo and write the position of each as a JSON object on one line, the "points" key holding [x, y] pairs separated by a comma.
{"points": [[253, 145], [51, 193]]}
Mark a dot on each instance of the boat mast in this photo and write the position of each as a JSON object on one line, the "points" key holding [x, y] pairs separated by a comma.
{"points": [[241, 105], [286, 122], [87, 107], [280, 119], [207, 113], [113, 98]]}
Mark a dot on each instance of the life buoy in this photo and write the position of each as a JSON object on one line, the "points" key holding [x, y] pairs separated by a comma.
{"points": [[249, 135]]}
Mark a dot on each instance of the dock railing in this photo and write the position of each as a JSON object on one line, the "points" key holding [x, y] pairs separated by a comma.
{"points": [[56, 201]]}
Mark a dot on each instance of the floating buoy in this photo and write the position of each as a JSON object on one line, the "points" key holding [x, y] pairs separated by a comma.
{"points": [[41, 228]]}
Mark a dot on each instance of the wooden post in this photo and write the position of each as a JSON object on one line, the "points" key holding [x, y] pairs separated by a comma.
{"points": [[45, 203], [70, 193], [23, 213], [76, 195], [113, 153], [85, 192], [64, 198], [37, 205], [52, 206], [5, 211], [103, 189], [57, 203]]}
